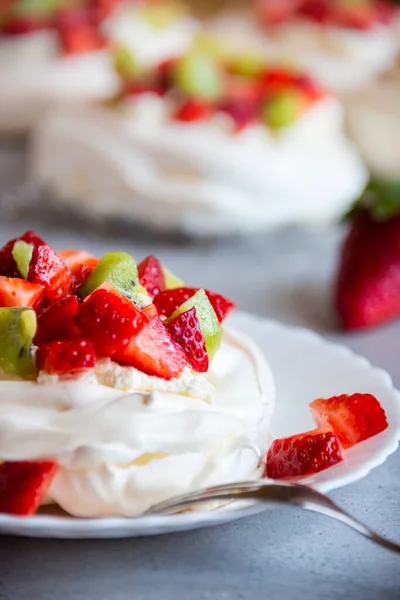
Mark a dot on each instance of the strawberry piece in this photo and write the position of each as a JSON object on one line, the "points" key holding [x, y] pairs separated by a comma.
{"points": [[136, 88], [303, 454], [151, 275], [352, 15], [48, 269], [277, 11], [109, 321], [167, 302], [63, 357], [80, 276], [57, 321], [77, 34], [185, 331], [20, 26], [193, 110], [368, 283], [153, 352], [75, 259], [316, 10], [19, 292], [23, 485], [8, 266], [353, 418]]}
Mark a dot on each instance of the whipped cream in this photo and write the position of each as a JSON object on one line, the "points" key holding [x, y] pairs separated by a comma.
{"points": [[122, 451], [136, 162], [339, 58], [373, 120], [34, 75]]}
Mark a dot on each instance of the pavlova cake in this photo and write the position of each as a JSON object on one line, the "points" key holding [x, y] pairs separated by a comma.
{"points": [[207, 143], [53, 50], [119, 385], [343, 43]]}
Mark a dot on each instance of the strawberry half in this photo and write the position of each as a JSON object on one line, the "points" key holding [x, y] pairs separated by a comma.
{"points": [[303, 454], [19, 292], [185, 331], [57, 321], [151, 275], [48, 269], [109, 321], [167, 302], [8, 266], [154, 352], [64, 357], [192, 110], [23, 485], [353, 418]]}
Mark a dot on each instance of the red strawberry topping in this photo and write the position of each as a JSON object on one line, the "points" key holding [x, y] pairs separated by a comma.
{"points": [[185, 331], [75, 259], [57, 321], [303, 454], [109, 321], [19, 292], [169, 301], [151, 275], [64, 357], [48, 269], [23, 485], [353, 418], [193, 109], [153, 352], [8, 266]]}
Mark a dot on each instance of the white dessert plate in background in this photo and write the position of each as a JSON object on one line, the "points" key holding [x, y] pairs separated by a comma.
{"points": [[305, 367]]}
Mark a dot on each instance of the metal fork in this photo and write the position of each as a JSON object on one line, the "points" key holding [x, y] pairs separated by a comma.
{"points": [[274, 493]]}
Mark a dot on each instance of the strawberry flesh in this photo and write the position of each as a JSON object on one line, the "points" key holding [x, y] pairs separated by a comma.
{"points": [[63, 357], [185, 331], [353, 418], [109, 321], [8, 266], [19, 292], [303, 454], [151, 275], [154, 352], [193, 110], [57, 321], [48, 269], [169, 301], [23, 486], [75, 259]]}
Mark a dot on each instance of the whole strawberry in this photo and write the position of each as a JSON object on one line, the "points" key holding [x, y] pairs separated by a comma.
{"points": [[368, 283]]}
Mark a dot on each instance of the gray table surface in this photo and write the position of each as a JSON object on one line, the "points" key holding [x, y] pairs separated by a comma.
{"points": [[278, 554]]}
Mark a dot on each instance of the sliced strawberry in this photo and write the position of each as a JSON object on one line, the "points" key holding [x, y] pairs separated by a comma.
{"points": [[8, 266], [277, 11], [19, 292], [185, 331], [151, 275], [48, 269], [316, 10], [353, 15], [80, 276], [193, 110], [57, 321], [77, 33], [63, 357], [167, 302], [153, 352], [303, 454], [23, 485], [74, 259], [109, 321], [353, 418]]}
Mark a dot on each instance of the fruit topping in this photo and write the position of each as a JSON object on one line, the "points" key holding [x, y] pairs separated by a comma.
{"points": [[169, 301], [172, 281], [18, 292], [109, 321], [353, 418], [23, 485], [57, 321], [22, 254], [154, 352], [303, 454], [75, 259], [209, 324], [193, 109], [199, 76], [185, 331], [17, 330], [283, 109], [65, 357], [151, 275], [8, 266], [119, 270], [48, 269]]}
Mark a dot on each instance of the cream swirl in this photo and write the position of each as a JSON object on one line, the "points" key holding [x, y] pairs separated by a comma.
{"points": [[122, 451]]}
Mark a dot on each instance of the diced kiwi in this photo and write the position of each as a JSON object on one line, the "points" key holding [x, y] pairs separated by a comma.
{"points": [[22, 254], [283, 109], [119, 269], [17, 330], [172, 281], [199, 75], [208, 320], [125, 64], [248, 65]]}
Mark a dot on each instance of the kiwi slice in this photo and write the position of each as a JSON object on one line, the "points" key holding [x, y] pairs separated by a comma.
{"points": [[119, 269], [283, 109], [248, 65], [172, 281], [198, 75], [209, 324], [17, 330], [22, 254], [125, 64]]}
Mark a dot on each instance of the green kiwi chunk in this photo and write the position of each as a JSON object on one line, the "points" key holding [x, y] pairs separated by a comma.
{"points": [[22, 254], [17, 330]]}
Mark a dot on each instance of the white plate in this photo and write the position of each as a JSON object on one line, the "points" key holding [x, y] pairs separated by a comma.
{"points": [[305, 367]]}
